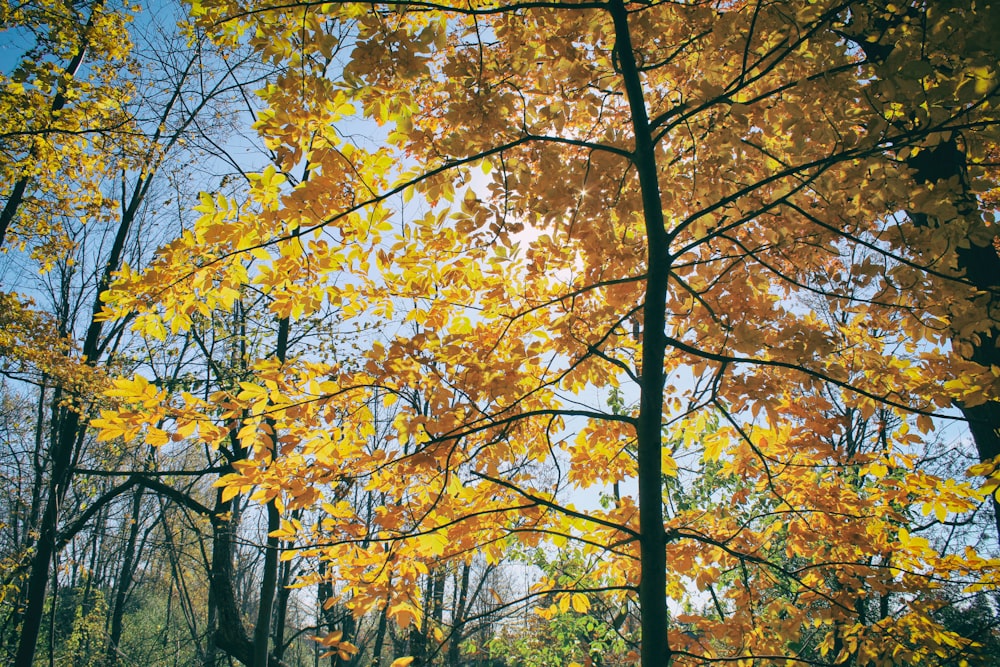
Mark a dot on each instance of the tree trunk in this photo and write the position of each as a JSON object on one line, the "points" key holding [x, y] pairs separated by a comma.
{"points": [[281, 609], [268, 585], [984, 423], [124, 581], [69, 434], [69, 437], [438, 578], [458, 618], [269, 580], [981, 266], [211, 630], [380, 631], [654, 648], [230, 635]]}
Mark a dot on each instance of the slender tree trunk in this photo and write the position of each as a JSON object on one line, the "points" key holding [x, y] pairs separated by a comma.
{"points": [[30, 518], [227, 630], [438, 579], [69, 430], [329, 617], [230, 634], [69, 435], [269, 580], [53, 614], [38, 576], [124, 582], [418, 636], [281, 608], [458, 618], [654, 648], [38, 468], [350, 628], [981, 267], [380, 631], [324, 592], [884, 598]]}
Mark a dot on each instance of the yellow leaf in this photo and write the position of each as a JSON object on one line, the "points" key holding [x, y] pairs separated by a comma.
{"points": [[184, 430], [109, 426], [251, 392], [669, 465], [404, 614], [713, 443], [229, 493], [402, 662], [580, 602], [940, 511], [432, 544], [156, 437], [985, 468], [983, 78]]}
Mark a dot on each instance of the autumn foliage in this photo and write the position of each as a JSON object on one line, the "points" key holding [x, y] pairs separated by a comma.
{"points": [[681, 288]]}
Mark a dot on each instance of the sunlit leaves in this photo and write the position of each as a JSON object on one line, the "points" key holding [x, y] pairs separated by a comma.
{"points": [[498, 245], [337, 646], [64, 123]]}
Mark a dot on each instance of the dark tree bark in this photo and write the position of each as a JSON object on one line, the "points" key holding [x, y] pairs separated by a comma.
{"points": [[124, 582], [981, 267], [68, 437], [230, 634], [269, 580], [380, 631], [980, 264], [655, 649], [458, 620], [281, 608]]}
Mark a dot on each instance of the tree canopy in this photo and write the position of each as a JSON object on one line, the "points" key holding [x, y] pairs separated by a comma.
{"points": [[699, 295]]}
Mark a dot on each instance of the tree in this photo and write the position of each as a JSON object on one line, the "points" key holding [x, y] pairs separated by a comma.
{"points": [[580, 628], [63, 104], [608, 195], [87, 146]]}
